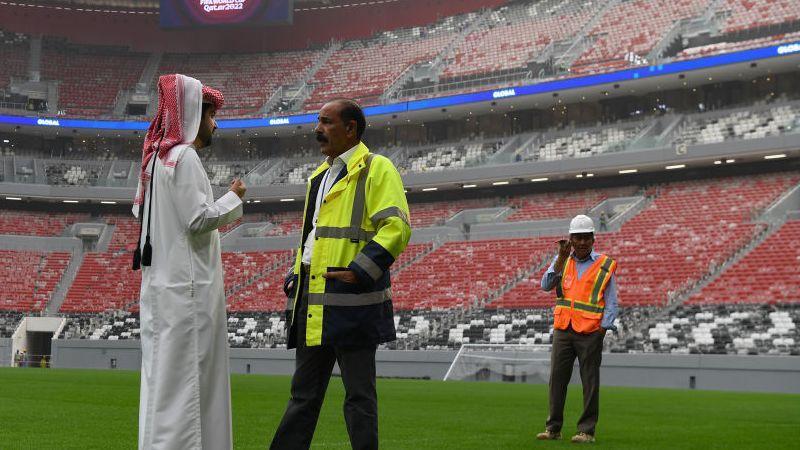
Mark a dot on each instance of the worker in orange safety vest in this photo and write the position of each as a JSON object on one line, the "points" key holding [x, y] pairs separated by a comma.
{"points": [[586, 306]]}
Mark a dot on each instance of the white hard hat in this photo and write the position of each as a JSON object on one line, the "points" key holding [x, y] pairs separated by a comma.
{"points": [[581, 224]]}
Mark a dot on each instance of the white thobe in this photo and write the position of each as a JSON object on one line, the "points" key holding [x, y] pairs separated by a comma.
{"points": [[185, 386]]}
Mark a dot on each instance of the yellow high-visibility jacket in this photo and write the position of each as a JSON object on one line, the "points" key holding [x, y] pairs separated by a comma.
{"points": [[363, 225]]}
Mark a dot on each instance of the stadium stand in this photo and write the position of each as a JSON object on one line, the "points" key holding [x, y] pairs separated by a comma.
{"points": [[689, 237], [77, 173], [427, 214], [632, 27], [718, 329], [457, 292], [243, 268], [475, 46], [126, 232], [742, 124], [436, 330], [767, 274], [31, 223], [752, 14], [719, 48], [14, 50], [106, 69], [222, 174], [256, 330], [448, 157], [258, 75], [265, 293], [727, 329], [381, 61], [104, 282], [29, 278], [513, 35], [285, 223], [112, 325], [462, 274], [297, 173], [583, 143], [656, 246], [9, 320], [562, 204]]}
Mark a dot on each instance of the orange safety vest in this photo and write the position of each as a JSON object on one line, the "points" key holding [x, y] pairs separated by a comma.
{"points": [[580, 301]]}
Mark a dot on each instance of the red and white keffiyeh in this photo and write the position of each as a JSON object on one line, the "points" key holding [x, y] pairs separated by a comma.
{"points": [[175, 126]]}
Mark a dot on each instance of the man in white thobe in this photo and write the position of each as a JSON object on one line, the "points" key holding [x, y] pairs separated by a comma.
{"points": [[185, 387]]}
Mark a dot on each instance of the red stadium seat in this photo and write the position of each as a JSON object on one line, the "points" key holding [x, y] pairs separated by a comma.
{"points": [[29, 278], [768, 274]]}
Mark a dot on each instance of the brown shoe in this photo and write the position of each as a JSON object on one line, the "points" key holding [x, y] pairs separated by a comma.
{"points": [[548, 435], [582, 438]]}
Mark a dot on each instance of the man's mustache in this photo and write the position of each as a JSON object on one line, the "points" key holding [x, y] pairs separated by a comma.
{"points": [[321, 138]]}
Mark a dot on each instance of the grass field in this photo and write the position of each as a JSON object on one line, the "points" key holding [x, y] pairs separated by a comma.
{"points": [[83, 409]]}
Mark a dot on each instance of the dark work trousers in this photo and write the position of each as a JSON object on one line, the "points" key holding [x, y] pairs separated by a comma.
{"points": [[588, 348], [313, 367]]}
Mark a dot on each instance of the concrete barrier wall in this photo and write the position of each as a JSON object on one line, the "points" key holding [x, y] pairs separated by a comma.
{"points": [[5, 352], [709, 372]]}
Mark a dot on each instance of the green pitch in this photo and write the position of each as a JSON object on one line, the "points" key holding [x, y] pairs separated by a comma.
{"points": [[83, 409]]}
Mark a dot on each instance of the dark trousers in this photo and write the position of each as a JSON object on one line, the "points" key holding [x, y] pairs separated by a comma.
{"points": [[313, 367], [588, 348]]}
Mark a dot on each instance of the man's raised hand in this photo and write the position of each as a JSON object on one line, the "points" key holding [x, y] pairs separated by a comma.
{"points": [[238, 187]]}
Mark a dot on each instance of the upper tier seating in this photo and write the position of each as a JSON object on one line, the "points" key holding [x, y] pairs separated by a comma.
{"points": [[90, 76], [514, 35], [750, 14], [632, 27], [14, 51], [728, 47], [379, 62], [257, 76]]}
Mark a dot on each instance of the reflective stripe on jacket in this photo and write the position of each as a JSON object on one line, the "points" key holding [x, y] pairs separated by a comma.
{"points": [[363, 226], [580, 300]]}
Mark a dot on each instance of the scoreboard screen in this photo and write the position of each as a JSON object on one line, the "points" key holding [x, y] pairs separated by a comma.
{"points": [[224, 13]]}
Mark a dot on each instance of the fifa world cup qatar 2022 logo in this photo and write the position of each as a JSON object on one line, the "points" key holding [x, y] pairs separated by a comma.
{"points": [[213, 12]]}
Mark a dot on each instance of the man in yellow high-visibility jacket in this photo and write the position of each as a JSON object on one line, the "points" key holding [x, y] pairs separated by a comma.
{"points": [[356, 224]]}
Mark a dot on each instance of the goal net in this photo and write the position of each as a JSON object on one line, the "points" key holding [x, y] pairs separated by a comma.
{"points": [[522, 363]]}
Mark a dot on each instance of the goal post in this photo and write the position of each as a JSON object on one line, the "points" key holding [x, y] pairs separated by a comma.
{"points": [[524, 363]]}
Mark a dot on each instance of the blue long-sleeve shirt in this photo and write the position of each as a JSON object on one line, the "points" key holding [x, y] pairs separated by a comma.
{"points": [[550, 279]]}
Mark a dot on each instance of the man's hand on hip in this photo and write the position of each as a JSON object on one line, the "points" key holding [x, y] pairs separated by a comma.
{"points": [[346, 276]]}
